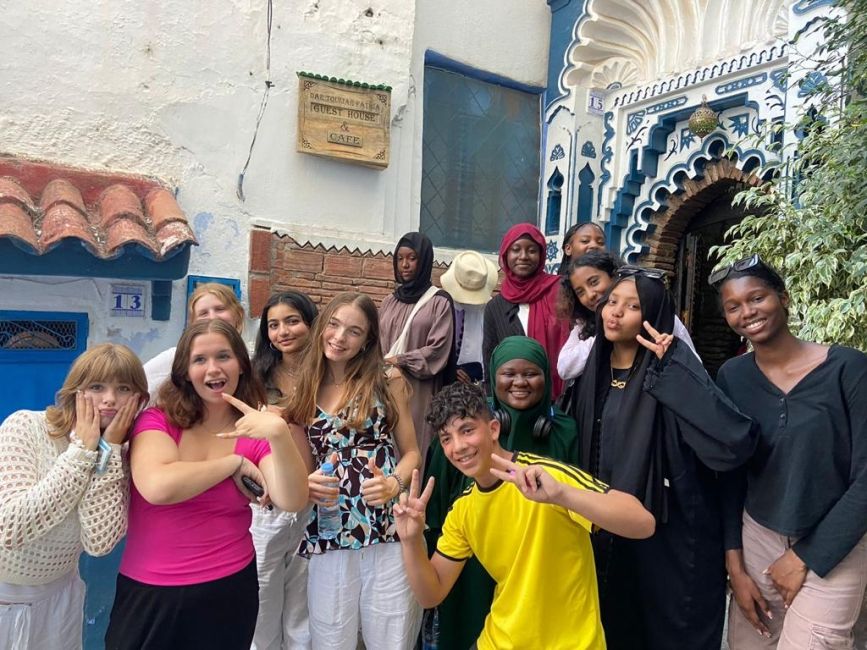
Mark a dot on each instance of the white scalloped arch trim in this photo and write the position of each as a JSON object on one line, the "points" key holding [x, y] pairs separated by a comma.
{"points": [[634, 42]]}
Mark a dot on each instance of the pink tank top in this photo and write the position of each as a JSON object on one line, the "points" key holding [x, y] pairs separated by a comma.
{"points": [[204, 538]]}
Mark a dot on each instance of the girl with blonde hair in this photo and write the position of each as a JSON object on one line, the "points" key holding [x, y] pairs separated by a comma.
{"points": [[64, 489], [208, 300]]}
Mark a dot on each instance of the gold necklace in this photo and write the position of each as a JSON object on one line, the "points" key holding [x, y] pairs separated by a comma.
{"points": [[619, 383]]}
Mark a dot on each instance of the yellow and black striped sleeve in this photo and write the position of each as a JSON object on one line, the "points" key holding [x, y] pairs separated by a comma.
{"points": [[563, 472]]}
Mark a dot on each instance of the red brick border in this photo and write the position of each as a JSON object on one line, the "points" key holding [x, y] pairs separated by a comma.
{"points": [[278, 263], [671, 221]]}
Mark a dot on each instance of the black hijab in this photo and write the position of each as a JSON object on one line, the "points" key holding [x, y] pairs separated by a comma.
{"points": [[412, 291], [637, 435]]}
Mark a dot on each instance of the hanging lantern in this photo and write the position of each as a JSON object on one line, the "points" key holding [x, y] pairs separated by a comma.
{"points": [[704, 120]]}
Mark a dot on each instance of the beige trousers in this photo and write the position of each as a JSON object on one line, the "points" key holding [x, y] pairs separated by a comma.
{"points": [[824, 610]]}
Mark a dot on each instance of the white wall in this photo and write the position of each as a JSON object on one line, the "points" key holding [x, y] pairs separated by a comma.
{"points": [[172, 90]]}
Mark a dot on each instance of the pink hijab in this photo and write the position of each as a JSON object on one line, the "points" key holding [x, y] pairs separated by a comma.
{"points": [[540, 292]]}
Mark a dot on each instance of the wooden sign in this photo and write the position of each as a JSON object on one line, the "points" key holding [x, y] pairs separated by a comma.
{"points": [[344, 119]]}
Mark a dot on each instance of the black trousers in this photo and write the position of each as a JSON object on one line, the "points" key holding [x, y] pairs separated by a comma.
{"points": [[217, 615]]}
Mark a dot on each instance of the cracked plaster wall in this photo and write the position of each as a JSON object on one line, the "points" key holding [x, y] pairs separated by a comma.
{"points": [[172, 90]]}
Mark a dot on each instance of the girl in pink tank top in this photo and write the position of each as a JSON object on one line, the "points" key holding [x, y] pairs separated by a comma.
{"points": [[188, 573]]}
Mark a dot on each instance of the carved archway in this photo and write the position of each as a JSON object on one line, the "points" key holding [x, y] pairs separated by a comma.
{"points": [[628, 43], [670, 222], [679, 241]]}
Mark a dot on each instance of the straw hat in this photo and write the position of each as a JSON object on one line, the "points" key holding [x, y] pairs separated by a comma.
{"points": [[471, 278]]}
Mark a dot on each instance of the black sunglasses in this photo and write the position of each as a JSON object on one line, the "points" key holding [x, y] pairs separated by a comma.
{"points": [[630, 271], [718, 276]]}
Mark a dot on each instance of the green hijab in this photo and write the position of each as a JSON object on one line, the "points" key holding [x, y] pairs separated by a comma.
{"points": [[561, 443], [462, 613]]}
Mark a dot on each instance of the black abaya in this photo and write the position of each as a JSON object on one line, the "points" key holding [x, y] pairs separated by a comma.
{"points": [[673, 431]]}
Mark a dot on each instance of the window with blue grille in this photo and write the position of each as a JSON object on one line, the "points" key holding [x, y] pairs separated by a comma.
{"points": [[480, 160]]}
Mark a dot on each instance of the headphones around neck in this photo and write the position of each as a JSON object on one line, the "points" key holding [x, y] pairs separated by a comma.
{"points": [[541, 427]]}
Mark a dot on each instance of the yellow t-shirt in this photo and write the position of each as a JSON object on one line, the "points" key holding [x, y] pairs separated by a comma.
{"points": [[540, 557]]}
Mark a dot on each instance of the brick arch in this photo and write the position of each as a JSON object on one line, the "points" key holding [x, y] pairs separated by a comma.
{"points": [[670, 222]]}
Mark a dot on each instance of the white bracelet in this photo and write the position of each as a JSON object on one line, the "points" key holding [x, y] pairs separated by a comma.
{"points": [[90, 454]]}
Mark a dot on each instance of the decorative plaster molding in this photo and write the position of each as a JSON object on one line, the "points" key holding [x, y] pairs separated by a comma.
{"points": [[806, 6], [772, 53], [652, 39], [714, 147], [740, 84], [607, 155], [667, 105]]}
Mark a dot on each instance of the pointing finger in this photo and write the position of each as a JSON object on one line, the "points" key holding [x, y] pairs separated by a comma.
{"points": [[238, 404], [503, 476]]}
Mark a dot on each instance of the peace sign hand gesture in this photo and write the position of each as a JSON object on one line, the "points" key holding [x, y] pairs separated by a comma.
{"points": [[532, 480], [409, 512], [660, 344], [261, 424]]}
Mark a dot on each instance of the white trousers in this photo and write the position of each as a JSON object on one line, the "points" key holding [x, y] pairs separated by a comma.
{"points": [[42, 616], [282, 621], [367, 588]]}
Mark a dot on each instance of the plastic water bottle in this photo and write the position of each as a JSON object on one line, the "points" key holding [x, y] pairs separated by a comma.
{"points": [[430, 635], [330, 522]]}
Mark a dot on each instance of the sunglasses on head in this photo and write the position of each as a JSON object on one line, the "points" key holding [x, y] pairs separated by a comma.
{"points": [[631, 271], [718, 276]]}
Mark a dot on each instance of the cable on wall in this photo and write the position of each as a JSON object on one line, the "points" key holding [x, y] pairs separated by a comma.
{"points": [[268, 85]]}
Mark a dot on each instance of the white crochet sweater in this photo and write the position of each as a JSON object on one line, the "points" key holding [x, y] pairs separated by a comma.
{"points": [[52, 504]]}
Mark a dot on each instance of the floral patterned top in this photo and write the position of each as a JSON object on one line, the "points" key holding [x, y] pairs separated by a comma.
{"points": [[363, 525]]}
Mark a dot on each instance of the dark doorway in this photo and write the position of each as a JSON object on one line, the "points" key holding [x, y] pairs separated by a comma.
{"points": [[696, 302]]}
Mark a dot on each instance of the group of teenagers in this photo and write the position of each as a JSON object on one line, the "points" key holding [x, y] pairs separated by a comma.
{"points": [[550, 467]]}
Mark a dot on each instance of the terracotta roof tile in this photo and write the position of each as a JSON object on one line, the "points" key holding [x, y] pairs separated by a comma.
{"points": [[160, 204], [15, 224], [107, 213], [126, 231], [11, 190], [62, 191], [61, 221], [173, 234], [118, 202]]}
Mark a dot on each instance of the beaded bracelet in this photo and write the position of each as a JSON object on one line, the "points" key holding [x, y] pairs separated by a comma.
{"points": [[400, 484]]}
